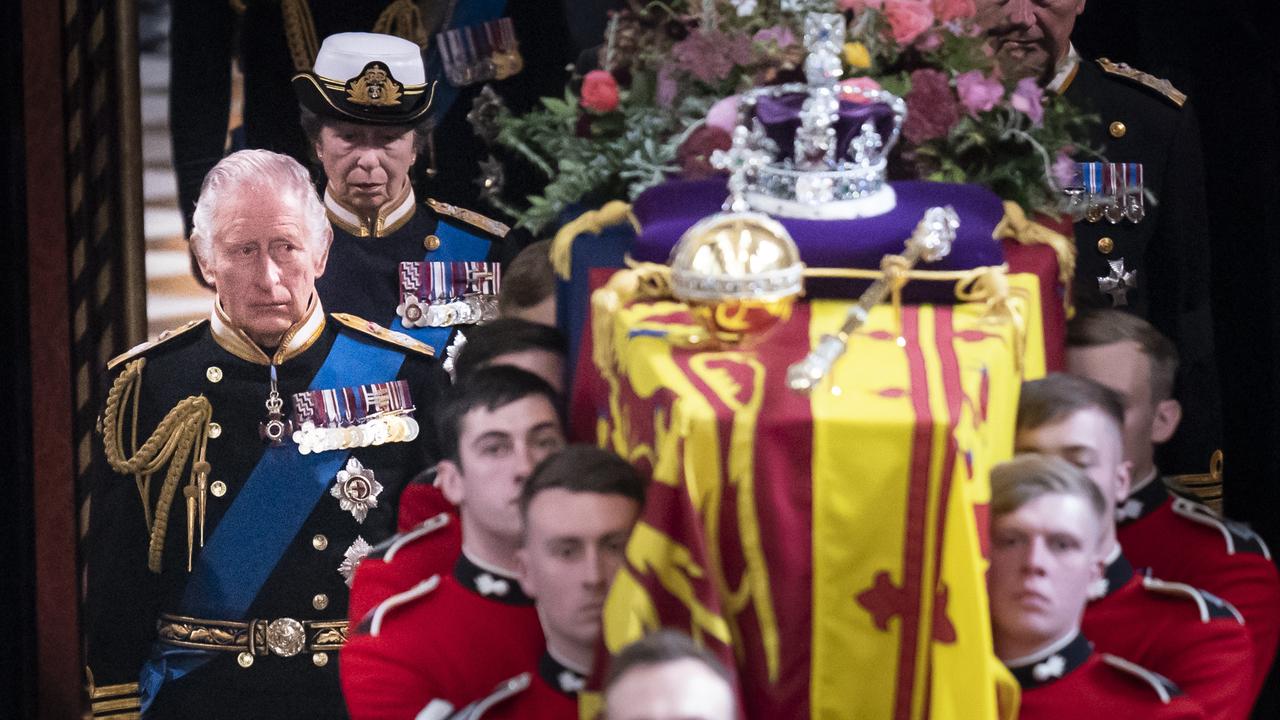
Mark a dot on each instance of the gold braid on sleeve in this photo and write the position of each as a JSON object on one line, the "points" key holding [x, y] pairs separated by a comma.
{"points": [[184, 428]]}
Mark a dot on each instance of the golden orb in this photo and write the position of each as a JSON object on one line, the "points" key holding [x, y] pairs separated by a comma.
{"points": [[740, 274]]}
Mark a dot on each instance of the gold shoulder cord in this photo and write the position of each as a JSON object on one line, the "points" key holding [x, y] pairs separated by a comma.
{"points": [[402, 18], [183, 428], [300, 32]]}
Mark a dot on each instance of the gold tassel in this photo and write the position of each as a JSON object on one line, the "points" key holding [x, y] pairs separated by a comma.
{"points": [[1015, 225], [614, 212]]}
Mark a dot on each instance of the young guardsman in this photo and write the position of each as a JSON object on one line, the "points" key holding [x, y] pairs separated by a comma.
{"points": [[1047, 531], [578, 511], [468, 624], [1179, 539], [250, 461], [664, 676], [1188, 635]]}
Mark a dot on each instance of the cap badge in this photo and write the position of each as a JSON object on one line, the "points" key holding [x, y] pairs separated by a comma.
{"points": [[374, 86]]}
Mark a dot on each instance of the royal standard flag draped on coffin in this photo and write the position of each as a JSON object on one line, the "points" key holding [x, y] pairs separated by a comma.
{"points": [[829, 547]]}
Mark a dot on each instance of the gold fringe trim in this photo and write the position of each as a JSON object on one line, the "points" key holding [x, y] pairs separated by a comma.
{"points": [[300, 32], [614, 212]]}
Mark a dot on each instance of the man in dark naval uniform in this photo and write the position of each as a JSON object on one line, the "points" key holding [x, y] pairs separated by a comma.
{"points": [[1154, 260], [250, 462], [421, 269]]}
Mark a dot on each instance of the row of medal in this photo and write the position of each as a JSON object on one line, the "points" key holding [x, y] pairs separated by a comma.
{"points": [[378, 431], [480, 53], [1106, 191], [441, 294], [352, 417]]}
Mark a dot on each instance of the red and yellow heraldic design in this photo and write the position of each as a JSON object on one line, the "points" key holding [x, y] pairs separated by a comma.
{"points": [[828, 546]]}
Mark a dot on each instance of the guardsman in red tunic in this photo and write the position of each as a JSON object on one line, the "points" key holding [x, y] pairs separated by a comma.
{"points": [[578, 511], [1179, 539], [1188, 635], [1047, 530], [455, 634]]}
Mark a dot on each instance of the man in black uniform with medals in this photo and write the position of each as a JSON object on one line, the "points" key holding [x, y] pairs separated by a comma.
{"points": [[1142, 238], [420, 269], [251, 460]]}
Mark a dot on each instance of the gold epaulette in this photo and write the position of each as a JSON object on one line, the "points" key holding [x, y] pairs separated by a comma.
{"points": [[470, 217], [373, 329], [164, 337], [1160, 85]]}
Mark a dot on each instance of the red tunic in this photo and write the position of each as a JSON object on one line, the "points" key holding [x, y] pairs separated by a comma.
{"points": [[1076, 683], [1187, 635], [404, 560], [1187, 542], [449, 640], [419, 501]]}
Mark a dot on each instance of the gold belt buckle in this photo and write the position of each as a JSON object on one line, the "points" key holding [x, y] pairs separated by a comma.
{"points": [[286, 637]]}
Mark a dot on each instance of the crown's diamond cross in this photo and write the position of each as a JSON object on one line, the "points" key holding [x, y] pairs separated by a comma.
{"points": [[744, 159], [865, 149]]}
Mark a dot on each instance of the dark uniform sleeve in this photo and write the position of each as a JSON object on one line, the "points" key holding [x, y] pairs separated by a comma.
{"points": [[1178, 263], [200, 92], [122, 595]]}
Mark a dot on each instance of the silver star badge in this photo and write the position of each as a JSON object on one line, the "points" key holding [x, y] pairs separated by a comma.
{"points": [[1118, 283], [1049, 669], [352, 557], [356, 490], [490, 585]]}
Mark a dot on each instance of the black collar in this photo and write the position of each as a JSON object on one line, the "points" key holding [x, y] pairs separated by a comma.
{"points": [[1143, 502], [488, 583], [1047, 668], [561, 678], [1114, 576]]}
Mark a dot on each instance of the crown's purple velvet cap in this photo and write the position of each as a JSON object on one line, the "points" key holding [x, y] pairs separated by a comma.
{"points": [[780, 116]]}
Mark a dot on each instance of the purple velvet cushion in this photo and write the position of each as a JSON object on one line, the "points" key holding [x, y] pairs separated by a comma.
{"points": [[666, 211]]}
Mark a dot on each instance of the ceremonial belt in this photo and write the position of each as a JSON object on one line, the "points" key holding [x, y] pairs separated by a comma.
{"points": [[265, 517], [456, 245], [284, 637], [464, 15]]}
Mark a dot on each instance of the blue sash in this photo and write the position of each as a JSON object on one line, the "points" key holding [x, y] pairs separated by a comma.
{"points": [[456, 245], [265, 517], [473, 12]]}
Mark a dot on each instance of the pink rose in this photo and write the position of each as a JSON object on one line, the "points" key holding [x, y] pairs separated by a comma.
{"points": [[978, 93], [857, 89], [948, 10], [1028, 99], [724, 114], [932, 109], [858, 6], [599, 92], [908, 18], [1064, 170]]}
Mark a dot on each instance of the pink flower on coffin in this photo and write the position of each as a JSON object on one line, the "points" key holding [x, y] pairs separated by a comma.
{"points": [[908, 19], [857, 89], [858, 6], [977, 92], [948, 10], [1064, 170], [724, 114], [1028, 99], [599, 91]]}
